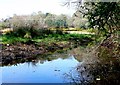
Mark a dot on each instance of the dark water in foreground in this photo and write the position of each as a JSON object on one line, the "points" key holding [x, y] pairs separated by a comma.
{"points": [[40, 72]]}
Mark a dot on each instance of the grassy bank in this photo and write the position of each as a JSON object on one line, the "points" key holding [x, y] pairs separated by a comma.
{"points": [[25, 48], [51, 38]]}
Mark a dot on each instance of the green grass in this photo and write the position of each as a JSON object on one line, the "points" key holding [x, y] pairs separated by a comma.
{"points": [[0, 38], [12, 39], [51, 38]]}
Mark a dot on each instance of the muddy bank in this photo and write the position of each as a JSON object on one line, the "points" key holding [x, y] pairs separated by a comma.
{"points": [[28, 52]]}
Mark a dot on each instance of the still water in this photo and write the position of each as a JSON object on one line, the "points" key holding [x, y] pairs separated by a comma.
{"points": [[42, 71]]}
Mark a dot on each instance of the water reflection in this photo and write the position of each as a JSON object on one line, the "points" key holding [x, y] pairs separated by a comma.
{"points": [[79, 75], [40, 70]]}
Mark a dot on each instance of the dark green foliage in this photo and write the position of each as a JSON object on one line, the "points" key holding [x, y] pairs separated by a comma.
{"points": [[103, 15], [21, 32], [61, 24], [59, 32], [45, 36]]}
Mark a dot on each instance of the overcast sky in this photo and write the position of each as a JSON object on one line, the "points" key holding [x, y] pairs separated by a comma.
{"points": [[19, 7]]}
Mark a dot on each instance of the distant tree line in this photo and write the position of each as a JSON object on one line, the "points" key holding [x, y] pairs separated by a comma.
{"points": [[40, 20]]}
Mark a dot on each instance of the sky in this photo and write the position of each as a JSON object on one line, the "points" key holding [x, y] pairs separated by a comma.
{"points": [[24, 7]]}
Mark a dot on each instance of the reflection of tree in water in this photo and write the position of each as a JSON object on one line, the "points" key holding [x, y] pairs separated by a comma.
{"points": [[79, 75], [42, 61], [100, 66], [96, 70], [94, 74], [35, 62]]}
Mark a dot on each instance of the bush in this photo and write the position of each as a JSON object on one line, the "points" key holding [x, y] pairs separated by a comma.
{"points": [[33, 33]]}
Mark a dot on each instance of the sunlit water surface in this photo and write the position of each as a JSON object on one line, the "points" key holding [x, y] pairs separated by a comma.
{"points": [[41, 72]]}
